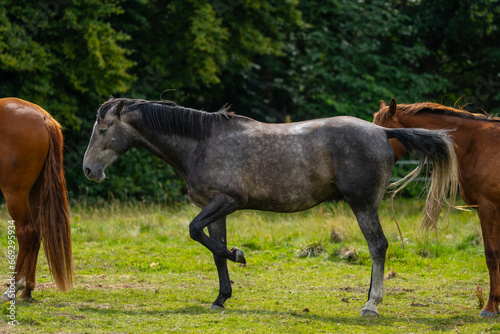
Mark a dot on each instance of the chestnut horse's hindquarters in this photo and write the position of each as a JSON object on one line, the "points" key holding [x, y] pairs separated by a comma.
{"points": [[436, 147], [53, 219]]}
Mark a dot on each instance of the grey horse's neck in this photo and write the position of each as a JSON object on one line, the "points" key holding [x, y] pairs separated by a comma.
{"points": [[172, 119]]}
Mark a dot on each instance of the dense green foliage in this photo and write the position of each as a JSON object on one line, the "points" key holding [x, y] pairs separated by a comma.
{"points": [[267, 58]]}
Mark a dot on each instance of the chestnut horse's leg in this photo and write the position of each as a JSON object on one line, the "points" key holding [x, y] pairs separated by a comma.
{"points": [[31, 243], [20, 184], [489, 215], [217, 232], [28, 243]]}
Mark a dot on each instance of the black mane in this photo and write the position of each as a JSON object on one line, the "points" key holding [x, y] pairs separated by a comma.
{"points": [[169, 118]]}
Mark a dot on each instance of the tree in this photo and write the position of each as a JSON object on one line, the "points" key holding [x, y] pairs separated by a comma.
{"points": [[349, 55], [61, 55], [266, 58], [461, 42]]}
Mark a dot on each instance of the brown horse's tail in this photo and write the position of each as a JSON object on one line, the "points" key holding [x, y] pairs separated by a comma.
{"points": [[434, 146], [53, 221]]}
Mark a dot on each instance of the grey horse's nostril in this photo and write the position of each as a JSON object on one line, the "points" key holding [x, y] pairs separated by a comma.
{"points": [[87, 171]]}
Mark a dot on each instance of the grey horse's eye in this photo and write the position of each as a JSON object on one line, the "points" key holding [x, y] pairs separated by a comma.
{"points": [[102, 131]]}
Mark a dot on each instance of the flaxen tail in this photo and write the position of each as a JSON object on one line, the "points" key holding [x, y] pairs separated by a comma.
{"points": [[436, 147], [53, 221]]}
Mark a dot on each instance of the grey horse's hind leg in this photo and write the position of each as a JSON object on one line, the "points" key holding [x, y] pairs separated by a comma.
{"points": [[217, 232], [377, 244]]}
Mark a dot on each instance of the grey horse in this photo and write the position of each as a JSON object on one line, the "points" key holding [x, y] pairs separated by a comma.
{"points": [[231, 162]]}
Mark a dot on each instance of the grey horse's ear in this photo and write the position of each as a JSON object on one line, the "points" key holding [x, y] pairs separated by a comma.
{"points": [[382, 105], [392, 108], [118, 109]]}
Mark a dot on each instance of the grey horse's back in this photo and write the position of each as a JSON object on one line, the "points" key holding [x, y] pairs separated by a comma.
{"points": [[293, 167]]}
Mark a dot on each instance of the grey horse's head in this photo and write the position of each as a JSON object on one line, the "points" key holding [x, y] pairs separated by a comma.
{"points": [[111, 138]]}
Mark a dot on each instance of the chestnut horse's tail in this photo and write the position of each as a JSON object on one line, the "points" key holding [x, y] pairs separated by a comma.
{"points": [[433, 146], [53, 220]]}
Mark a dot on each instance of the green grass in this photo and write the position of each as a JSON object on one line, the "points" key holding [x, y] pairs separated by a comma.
{"points": [[137, 271]]}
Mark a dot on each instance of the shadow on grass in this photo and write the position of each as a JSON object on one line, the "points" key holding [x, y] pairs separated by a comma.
{"points": [[443, 323]]}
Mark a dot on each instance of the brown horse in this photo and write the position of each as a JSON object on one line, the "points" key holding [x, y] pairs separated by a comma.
{"points": [[32, 182], [477, 146]]}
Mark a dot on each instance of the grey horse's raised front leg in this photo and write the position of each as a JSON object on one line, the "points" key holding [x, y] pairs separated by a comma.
{"points": [[218, 208], [217, 232]]}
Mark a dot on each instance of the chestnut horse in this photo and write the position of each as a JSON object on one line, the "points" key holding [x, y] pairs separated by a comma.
{"points": [[32, 182], [477, 146], [231, 162]]}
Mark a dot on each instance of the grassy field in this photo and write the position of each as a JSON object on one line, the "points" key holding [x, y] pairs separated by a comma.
{"points": [[137, 271]]}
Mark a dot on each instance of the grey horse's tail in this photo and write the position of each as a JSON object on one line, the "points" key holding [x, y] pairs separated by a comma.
{"points": [[434, 146]]}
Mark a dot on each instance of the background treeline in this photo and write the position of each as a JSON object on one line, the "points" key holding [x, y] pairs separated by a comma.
{"points": [[266, 58]]}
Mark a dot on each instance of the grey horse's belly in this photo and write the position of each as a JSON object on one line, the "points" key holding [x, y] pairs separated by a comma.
{"points": [[292, 202], [291, 189]]}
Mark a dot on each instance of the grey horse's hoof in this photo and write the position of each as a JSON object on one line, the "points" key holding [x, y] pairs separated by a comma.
{"points": [[487, 314], [240, 257], [216, 307], [368, 313]]}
